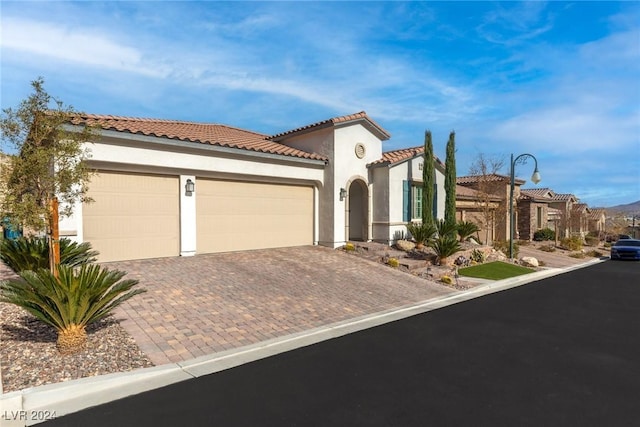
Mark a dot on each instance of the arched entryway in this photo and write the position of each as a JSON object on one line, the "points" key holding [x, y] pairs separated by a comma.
{"points": [[357, 211]]}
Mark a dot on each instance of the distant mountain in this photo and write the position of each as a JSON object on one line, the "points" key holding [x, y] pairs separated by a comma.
{"points": [[628, 209]]}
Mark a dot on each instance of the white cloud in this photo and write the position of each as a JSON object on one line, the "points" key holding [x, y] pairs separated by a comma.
{"points": [[78, 45]]}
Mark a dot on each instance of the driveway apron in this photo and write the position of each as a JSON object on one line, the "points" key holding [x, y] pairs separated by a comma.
{"points": [[210, 303]]}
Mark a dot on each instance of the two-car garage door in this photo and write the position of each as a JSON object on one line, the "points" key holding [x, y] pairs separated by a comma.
{"points": [[137, 216]]}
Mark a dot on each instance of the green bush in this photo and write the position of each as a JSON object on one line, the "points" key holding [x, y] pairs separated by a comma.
{"points": [[71, 301], [32, 253], [573, 243], [503, 246], [349, 247], [544, 234], [547, 248]]}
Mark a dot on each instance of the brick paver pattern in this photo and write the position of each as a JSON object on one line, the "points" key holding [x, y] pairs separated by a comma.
{"points": [[211, 303]]}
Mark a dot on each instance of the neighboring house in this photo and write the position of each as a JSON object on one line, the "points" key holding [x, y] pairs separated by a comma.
{"points": [[580, 219], [597, 221], [167, 188], [499, 186], [533, 213], [564, 203], [481, 209]]}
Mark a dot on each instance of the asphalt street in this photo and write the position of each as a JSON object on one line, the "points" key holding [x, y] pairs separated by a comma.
{"points": [[563, 351]]}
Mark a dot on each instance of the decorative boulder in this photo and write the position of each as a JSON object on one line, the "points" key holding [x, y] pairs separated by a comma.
{"points": [[529, 261], [405, 245]]}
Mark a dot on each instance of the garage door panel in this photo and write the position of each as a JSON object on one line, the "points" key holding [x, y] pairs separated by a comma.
{"points": [[133, 216], [240, 215]]}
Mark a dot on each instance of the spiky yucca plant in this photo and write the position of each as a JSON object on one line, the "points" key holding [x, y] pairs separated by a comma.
{"points": [[466, 229], [71, 301], [32, 253]]}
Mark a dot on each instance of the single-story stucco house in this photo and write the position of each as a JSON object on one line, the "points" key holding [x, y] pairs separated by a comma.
{"points": [[167, 188]]}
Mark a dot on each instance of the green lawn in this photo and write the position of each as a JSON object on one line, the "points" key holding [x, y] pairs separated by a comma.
{"points": [[494, 270]]}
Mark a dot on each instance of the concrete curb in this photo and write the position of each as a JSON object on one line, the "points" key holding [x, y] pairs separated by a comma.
{"points": [[34, 405]]}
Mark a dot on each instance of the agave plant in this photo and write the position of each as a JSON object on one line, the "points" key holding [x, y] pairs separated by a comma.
{"points": [[71, 301], [32, 253], [466, 229], [421, 233]]}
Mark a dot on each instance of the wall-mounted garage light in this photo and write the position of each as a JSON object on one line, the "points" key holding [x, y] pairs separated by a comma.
{"points": [[189, 187], [343, 194]]}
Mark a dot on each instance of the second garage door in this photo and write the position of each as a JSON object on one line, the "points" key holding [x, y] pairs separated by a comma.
{"points": [[234, 215]]}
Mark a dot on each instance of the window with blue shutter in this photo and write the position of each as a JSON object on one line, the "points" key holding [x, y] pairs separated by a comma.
{"points": [[406, 201]]}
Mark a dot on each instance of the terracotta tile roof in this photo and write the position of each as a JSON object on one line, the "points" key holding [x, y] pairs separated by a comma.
{"points": [[597, 213], [472, 179], [563, 197], [402, 154], [361, 116], [537, 192], [204, 133]]}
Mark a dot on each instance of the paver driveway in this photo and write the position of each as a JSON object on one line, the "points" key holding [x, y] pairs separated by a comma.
{"points": [[210, 303]]}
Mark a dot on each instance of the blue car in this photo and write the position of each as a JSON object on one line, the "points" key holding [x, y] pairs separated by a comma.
{"points": [[626, 249]]}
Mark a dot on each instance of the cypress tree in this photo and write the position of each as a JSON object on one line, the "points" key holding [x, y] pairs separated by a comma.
{"points": [[427, 181], [450, 181]]}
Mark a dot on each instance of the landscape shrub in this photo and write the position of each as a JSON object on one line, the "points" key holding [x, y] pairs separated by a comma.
{"points": [[421, 233], [466, 229], [393, 262], [547, 248], [349, 247], [446, 279], [544, 234], [503, 246], [573, 243], [478, 256], [591, 240], [69, 302], [577, 255], [32, 253]]}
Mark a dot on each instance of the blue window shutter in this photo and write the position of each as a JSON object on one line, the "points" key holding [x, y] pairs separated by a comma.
{"points": [[435, 201], [406, 201]]}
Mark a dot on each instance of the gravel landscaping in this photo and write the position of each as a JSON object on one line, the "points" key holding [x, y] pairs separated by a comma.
{"points": [[29, 358]]}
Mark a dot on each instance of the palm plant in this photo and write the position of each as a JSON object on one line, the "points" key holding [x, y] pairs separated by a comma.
{"points": [[446, 243], [444, 246], [32, 253], [445, 228], [71, 301], [421, 233], [466, 229]]}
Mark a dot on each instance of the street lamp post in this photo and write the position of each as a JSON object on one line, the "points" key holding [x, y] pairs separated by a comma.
{"points": [[535, 178]]}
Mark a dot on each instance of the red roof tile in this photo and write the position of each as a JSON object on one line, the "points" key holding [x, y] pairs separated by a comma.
{"points": [[472, 179], [361, 116], [397, 156], [204, 133]]}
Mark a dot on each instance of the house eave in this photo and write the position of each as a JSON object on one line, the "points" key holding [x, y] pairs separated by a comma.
{"points": [[198, 146]]}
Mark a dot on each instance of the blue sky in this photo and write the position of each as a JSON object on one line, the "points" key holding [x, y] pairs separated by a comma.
{"points": [[559, 80]]}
